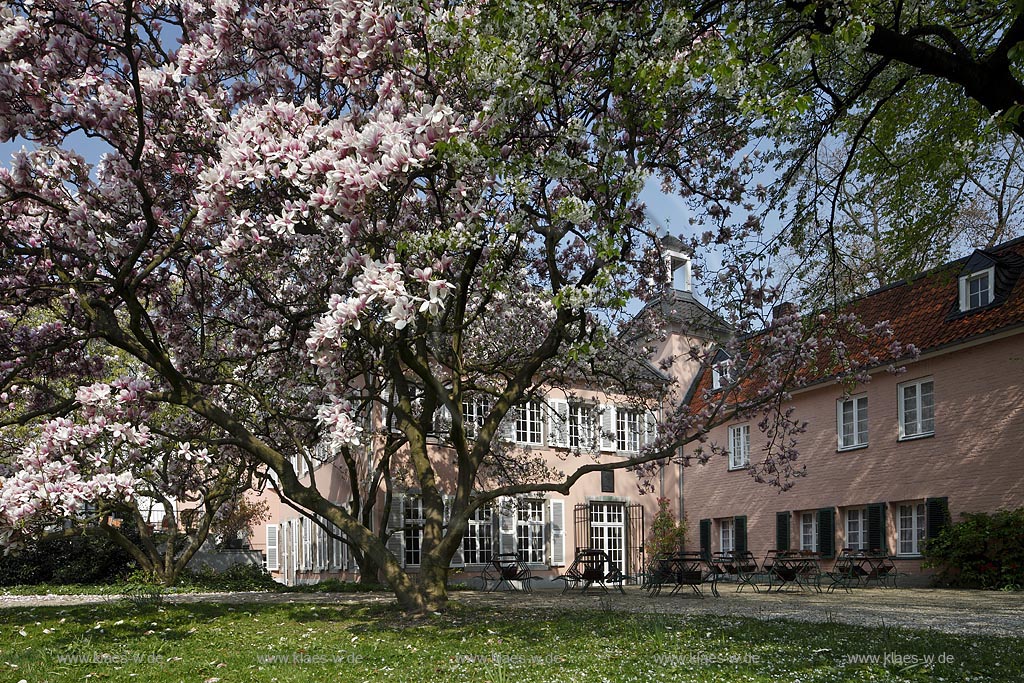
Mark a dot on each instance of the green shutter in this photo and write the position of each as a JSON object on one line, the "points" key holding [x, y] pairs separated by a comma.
{"points": [[705, 537], [740, 527], [876, 527], [936, 515], [782, 530], [827, 532]]}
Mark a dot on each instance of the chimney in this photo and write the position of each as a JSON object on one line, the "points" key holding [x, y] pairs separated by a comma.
{"points": [[783, 310]]}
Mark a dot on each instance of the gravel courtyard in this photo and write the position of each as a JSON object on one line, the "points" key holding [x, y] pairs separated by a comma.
{"points": [[949, 611]]}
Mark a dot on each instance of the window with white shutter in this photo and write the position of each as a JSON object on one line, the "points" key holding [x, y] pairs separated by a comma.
{"points": [[607, 427], [273, 553], [557, 532], [558, 424]]}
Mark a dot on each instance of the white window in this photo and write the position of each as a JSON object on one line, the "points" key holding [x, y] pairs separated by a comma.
{"points": [[627, 430], [727, 535], [852, 422], [474, 411], [478, 543], [917, 408], [530, 531], [580, 426], [808, 531], [529, 429], [572, 425], [739, 446], [413, 522], [976, 289], [721, 374], [856, 529], [911, 528]]}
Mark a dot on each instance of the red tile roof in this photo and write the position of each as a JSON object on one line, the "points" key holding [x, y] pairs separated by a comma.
{"points": [[924, 312]]}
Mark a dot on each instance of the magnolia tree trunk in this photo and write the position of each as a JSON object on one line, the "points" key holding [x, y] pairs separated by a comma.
{"points": [[418, 593], [369, 571], [426, 592]]}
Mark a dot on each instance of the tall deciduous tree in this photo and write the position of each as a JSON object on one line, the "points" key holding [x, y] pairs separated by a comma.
{"points": [[320, 223], [918, 104]]}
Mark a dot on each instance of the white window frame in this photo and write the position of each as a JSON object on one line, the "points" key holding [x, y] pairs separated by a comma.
{"points": [[809, 531], [413, 520], [530, 521], [920, 424], [338, 548], [988, 276], [856, 528], [474, 410], [478, 543], [628, 423], [859, 412], [721, 374], [727, 535], [739, 447], [910, 525], [580, 426], [529, 428]]}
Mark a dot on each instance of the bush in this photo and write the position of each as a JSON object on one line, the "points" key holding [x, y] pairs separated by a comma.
{"points": [[239, 577], [981, 551], [667, 535], [141, 588], [74, 559]]}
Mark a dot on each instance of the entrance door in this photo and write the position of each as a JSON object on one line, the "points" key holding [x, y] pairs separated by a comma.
{"points": [[607, 531]]}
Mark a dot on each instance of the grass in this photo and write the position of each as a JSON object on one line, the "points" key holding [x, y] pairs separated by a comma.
{"points": [[214, 643]]}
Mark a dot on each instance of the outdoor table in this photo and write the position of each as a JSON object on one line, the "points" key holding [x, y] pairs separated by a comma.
{"points": [[796, 568], [681, 570], [878, 567]]}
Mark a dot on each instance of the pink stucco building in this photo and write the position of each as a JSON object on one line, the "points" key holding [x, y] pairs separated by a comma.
{"points": [[885, 463], [888, 463]]}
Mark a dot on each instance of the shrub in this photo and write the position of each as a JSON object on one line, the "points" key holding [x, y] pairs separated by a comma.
{"points": [[981, 551], [74, 559], [239, 577], [667, 535]]}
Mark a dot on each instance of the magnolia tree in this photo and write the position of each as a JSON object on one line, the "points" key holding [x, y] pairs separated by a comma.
{"points": [[313, 225], [887, 120], [103, 471]]}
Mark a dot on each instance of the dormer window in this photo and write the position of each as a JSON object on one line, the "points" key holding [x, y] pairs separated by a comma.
{"points": [[721, 374], [976, 289]]}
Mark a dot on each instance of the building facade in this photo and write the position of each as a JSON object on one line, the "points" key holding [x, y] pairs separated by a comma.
{"points": [[891, 461], [887, 464]]}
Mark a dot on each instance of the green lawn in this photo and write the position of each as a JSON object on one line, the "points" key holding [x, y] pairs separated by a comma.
{"points": [[304, 642]]}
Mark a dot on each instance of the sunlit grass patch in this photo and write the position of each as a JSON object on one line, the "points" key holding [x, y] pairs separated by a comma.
{"points": [[301, 642]]}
